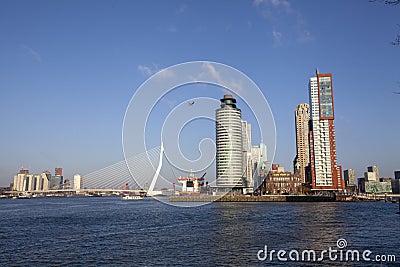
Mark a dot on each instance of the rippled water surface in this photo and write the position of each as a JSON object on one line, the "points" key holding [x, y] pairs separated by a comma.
{"points": [[110, 232]]}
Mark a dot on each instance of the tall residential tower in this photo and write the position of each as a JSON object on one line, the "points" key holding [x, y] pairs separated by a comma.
{"points": [[324, 172], [247, 162], [229, 156], [302, 118], [349, 177]]}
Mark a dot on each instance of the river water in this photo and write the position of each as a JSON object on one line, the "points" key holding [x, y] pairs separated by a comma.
{"points": [[107, 231]]}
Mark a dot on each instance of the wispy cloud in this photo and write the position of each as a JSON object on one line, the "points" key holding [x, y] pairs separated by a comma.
{"points": [[166, 73], [181, 9], [304, 36], [287, 22], [144, 70], [276, 3], [210, 73], [277, 38], [282, 3], [32, 52], [148, 71]]}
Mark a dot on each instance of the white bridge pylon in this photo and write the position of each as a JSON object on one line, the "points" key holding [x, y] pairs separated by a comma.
{"points": [[151, 191]]}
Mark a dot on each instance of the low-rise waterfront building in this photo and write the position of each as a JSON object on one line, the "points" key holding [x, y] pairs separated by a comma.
{"points": [[280, 182], [372, 187], [361, 184], [396, 186]]}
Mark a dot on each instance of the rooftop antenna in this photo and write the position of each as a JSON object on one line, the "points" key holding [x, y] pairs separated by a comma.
{"points": [[316, 71]]}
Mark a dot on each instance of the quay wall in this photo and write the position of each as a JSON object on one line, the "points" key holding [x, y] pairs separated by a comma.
{"points": [[242, 198]]}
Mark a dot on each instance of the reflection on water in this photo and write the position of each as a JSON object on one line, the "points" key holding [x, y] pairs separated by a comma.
{"points": [[107, 231]]}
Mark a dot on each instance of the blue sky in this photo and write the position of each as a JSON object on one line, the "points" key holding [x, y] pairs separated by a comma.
{"points": [[69, 68]]}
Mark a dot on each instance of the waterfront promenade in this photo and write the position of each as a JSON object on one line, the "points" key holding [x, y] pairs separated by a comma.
{"points": [[244, 198], [276, 198]]}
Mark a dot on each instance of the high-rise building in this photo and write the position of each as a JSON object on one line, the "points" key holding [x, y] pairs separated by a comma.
{"points": [[77, 182], [229, 158], [324, 172], [375, 170], [247, 160], [258, 164], [263, 151], [58, 172], [57, 180], [349, 177], [372, 174], [302, 119], [24, 181], [246, 135], [396, 174]]}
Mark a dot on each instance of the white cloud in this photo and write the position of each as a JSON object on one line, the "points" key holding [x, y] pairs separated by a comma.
{"points": [[32, 52], [304, 36], [281, 15], [282, 3], [181, 9], [238, 86], [275, 3], [212, 71], [166, 73], [210, 74], [145, 70], [277, 37], [148, 71]]}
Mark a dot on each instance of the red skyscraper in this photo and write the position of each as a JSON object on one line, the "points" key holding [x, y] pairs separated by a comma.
{"points": [[324, 172]]}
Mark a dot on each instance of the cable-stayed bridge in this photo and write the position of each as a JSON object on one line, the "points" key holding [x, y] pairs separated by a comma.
{"points": [[144, 171], [136, 171]]}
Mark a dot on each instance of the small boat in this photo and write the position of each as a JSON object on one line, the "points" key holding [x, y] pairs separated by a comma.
{"points": [[24, 196], [131, 197]]}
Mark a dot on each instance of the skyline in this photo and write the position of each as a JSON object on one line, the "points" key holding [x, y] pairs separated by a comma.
{"points": [[69, 69]]}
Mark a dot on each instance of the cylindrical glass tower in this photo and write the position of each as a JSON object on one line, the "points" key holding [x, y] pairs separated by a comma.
{"points": [[229, 144]]}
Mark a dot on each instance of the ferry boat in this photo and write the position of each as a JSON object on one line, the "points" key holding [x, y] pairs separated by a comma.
{"points": [[132, 197], [23, 196]]}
